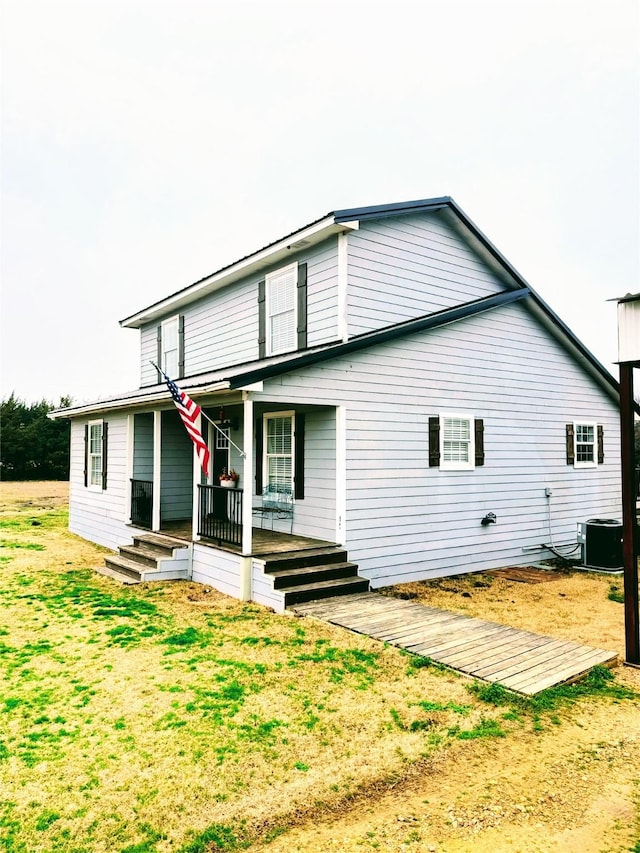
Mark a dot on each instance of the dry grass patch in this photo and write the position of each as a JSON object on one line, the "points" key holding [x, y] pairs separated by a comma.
{"points": [[169, 717]]}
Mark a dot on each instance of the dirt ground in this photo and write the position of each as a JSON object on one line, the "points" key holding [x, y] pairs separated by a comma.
{"points": [[572, 786]]}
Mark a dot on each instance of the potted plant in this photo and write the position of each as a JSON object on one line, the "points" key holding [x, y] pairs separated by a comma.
{"points": [[229, 479]]}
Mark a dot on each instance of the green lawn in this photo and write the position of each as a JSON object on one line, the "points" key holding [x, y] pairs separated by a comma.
{"points": [[165, 717]]}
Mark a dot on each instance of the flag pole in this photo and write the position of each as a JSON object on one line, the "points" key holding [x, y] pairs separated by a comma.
{"points": [[207, 418]]}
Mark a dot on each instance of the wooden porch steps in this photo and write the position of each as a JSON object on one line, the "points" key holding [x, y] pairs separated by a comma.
{"points": [[313, 573], [151, 557]]}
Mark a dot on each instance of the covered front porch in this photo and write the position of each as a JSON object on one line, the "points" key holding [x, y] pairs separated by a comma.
{"points": [[274, 482], [265, 541]]}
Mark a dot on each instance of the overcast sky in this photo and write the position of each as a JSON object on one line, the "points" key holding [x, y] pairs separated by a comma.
{"points": [[145, 144]]}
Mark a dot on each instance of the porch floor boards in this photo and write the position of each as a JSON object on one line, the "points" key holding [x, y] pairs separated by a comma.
{"points": [[518, 660], [264, 541]]}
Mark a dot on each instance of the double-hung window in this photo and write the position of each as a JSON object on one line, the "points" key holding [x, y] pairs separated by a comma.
{"points": [[279, 451], [95, 455], [457, 445], [170, 349], [281, 309], [456, 442], [584, 444]]}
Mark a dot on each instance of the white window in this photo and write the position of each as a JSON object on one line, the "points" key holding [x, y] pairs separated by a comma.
{"points": [[222, 438], [281, 309], [94, 453], [169, 355], [278, 457], [585, 438], [457, 446]]}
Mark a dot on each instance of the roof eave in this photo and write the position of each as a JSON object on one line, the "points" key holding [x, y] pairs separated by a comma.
{"points": [[137, 402], [310, 235]]}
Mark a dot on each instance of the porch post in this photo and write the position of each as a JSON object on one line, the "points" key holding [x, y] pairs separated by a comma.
{"points": [[247, 472], [247, 485], [195, 510], [157, 468], [129, 467], [341, 474]]}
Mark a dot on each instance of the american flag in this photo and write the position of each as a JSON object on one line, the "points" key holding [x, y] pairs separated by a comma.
{"points": [[190, 412]]}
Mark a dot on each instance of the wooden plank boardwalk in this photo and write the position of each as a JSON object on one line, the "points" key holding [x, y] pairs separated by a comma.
{"points": [[518, 660]]}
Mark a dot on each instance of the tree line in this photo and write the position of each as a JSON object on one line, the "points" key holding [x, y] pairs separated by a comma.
{"points": [[32, 447]]}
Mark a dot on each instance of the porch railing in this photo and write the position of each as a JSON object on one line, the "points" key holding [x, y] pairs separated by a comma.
{"points": [[142, 503], [220, 514]]}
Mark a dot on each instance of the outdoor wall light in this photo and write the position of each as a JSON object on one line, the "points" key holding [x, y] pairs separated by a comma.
{"points": [[490, 518]]}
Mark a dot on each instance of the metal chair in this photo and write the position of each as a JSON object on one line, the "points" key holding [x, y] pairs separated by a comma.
{"points": [[276, 502]]}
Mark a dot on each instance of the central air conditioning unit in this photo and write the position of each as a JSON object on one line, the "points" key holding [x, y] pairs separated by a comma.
{"points": [[601, 541]]}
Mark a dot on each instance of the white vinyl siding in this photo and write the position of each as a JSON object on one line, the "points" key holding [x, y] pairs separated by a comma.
{"points": [[406, 521], [221, 329], [406, 267], [456, 442], [281, 308], [278, 444], [585, 441], [96, 514], [94, 457]]}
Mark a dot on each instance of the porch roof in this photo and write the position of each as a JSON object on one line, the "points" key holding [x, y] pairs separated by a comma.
{"points": [[243, 376]]}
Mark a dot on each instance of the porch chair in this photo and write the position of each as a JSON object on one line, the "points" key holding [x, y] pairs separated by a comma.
{"points": [[276, 502]]}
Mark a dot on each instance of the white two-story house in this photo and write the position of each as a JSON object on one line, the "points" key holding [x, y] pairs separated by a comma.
{"points": [[385, 367]]}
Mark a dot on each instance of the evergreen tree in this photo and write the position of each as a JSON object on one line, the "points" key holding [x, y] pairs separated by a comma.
{"points": [[33, 447]]}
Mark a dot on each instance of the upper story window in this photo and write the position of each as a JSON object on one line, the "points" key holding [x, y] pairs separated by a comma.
{"points": [[169, 361], [456, 442], [585, 444], [281, 310], [171, 347]]}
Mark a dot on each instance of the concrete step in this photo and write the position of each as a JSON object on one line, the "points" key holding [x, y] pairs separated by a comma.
{"points": [[312, 574], [323, 589]]}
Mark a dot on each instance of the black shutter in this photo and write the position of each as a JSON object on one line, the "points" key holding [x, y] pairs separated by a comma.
{"points": [[105, 426], [159, 352], [302, 306], [180, 346], [298, 468], [262, 320], [600, 444], [86, 455], [479, 441], [434, 442], [570, 444], [259, 453]]}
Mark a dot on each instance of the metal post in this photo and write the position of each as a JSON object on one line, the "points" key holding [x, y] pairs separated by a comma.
{"points": [[629, 521]]}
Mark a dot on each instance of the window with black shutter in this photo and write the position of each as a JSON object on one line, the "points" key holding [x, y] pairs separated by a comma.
{"points": [[95, 454], [456, 442]]}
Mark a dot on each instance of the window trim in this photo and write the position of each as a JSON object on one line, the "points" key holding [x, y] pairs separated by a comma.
{"points": [[593, 462], [266, 417], [281, 271], [470, 464], [99, 486]]}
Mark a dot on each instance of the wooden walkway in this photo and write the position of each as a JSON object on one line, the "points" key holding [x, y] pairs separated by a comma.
{"points": [[518, 660]]}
